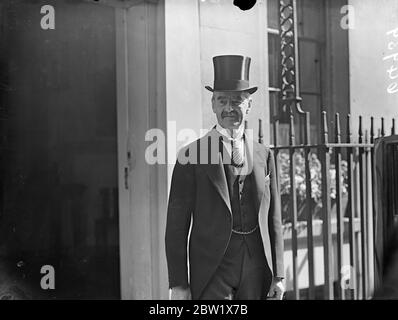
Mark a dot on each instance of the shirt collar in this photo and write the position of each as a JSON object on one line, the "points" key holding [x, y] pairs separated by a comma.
{"points": [[238, 134]]}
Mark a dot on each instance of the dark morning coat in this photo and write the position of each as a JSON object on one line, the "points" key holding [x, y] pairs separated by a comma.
{"points": [[199, 194]]}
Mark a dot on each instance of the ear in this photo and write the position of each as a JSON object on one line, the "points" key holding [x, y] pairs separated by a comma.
{"points": [[212, 103], [249, 105]]}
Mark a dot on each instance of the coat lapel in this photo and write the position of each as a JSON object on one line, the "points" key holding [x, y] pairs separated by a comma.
{"points": [[217, 176], [216, 173], [255, 162]]}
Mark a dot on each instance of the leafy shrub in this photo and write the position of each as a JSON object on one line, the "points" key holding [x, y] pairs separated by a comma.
{"points": [[300, 181]]}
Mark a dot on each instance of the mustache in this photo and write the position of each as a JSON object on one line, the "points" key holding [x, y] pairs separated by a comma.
{"points": [[230, 114]]}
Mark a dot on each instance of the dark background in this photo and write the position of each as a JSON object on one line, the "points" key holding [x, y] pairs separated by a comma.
{"points": [[58, 151]]}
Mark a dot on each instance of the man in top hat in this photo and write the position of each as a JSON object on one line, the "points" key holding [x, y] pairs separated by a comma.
{"points": [[224, 197]]}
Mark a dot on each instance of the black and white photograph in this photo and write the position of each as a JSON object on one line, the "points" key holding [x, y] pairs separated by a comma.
{"points": [[200, 150]]}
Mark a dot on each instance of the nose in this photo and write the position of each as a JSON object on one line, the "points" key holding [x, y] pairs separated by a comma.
{"points": [[228, 107]]}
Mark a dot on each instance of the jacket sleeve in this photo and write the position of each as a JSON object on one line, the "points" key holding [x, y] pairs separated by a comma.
{"points": [[180, 206], [275, 220]]}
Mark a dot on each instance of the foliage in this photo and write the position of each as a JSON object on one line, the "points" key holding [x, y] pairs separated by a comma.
{"points": [[315, 167]]}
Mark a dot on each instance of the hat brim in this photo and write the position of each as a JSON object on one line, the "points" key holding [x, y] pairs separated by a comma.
{"points": [[249, 90]]}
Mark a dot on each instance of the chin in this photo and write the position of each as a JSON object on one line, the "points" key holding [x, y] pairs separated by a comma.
{"points": [[231, 125], [235, 126]]}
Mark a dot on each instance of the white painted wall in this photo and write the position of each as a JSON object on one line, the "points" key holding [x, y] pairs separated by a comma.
{"points": [[183, 95], [369, 49], [225, 29]]}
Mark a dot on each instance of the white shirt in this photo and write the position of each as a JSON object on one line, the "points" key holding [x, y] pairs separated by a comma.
{"points": [[239, 142], [227, 139]]}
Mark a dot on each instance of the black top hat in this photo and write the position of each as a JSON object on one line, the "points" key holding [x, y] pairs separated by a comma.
{"points": [[231, 73]]}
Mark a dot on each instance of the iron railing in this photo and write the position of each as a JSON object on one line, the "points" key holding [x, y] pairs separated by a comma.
{"points": [[340, 154], [352, 163]]}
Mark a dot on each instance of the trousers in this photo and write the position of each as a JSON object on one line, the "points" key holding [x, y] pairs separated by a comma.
{"points": [[243, 273]]}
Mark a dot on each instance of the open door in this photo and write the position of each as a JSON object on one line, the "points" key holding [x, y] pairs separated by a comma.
{"points": [[58, 153]]}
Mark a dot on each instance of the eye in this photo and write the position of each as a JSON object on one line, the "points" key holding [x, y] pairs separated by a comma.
{"points": [[237, 103]]}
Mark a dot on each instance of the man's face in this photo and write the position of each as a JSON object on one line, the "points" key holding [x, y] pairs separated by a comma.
{"points": [[231, 108]]}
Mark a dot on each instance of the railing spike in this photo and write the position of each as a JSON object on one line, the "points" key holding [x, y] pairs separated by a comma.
{"points": [[349, 134], [372, 133], [325, 133], [337, 128], [383, 133], [393, 127], [260, 131], [360, 133], [292, 138], [276, 132], [307, 128]]}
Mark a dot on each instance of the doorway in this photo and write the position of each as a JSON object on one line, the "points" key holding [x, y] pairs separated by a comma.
{"points": [[59, 166]]}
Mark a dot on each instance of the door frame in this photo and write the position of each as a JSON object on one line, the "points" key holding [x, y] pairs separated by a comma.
{"points": [[141, 105]]}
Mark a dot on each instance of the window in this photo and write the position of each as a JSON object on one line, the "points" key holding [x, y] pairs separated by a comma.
{"points": [[323, 52]]}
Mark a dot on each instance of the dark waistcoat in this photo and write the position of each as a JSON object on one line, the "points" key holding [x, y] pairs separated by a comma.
{"points": [[245, 217]]}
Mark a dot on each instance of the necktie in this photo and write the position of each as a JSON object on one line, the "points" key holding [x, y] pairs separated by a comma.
{"points": [[237, 155]]}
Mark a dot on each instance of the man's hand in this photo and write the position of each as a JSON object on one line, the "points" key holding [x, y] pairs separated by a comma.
{"points": [[179, 293], [277, 289]]}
